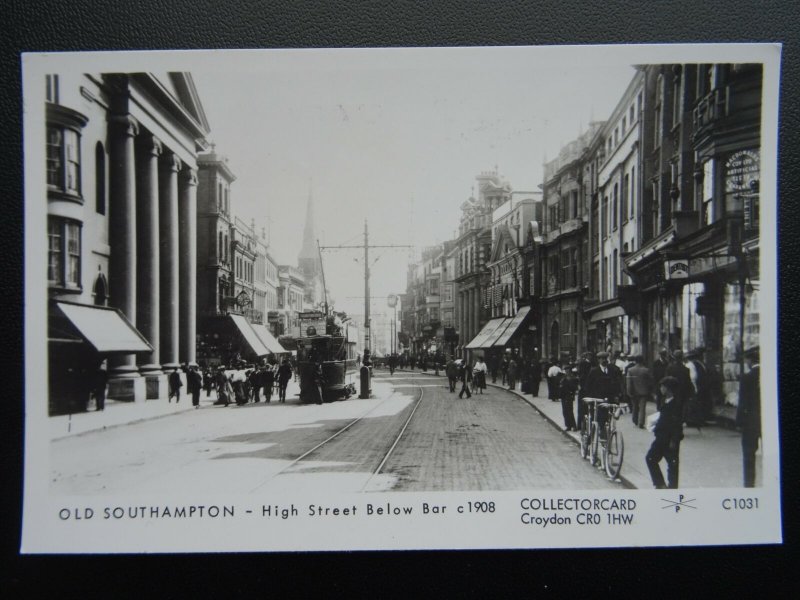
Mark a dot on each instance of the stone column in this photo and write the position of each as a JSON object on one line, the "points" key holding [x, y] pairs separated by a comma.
{"points": [[147, 256], [168, 234], [472, 313], [187, 210], [475, 314], [462, 327], [125, 382]]}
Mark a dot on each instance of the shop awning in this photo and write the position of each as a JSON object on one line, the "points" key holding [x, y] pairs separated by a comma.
{"points": [[489, 341], [249, 335], [105, 329], [268, 339], [483, 334], [608, 313], [514, 324]]}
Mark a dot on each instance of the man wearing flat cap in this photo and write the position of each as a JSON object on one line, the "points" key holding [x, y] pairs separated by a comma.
{"points": [[748, 413], [668, 432]]}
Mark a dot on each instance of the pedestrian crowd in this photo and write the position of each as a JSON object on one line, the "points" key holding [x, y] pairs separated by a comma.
{"points": [[241, 384], [680, 384]]}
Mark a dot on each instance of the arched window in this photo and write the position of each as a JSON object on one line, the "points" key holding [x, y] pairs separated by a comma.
{"points": [[100, 290], [100, 178]]}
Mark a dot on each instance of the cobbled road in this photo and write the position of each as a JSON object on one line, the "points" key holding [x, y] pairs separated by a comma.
{"points": [[491, 441], [494, 441]]}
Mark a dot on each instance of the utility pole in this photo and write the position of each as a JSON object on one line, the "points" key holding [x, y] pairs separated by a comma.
{"points": [[322, 272], [367, 323], [366, 246]]}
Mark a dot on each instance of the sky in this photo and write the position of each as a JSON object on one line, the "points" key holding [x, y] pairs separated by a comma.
{"points": [[392, 136]]}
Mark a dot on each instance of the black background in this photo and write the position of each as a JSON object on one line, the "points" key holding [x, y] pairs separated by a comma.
{"points": [[72, 25]]}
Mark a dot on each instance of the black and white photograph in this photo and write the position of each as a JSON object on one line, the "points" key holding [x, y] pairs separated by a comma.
{"points": [[407, 298]]}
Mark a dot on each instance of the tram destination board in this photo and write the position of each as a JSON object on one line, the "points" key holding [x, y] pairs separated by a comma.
{"points": [[628, 409]]}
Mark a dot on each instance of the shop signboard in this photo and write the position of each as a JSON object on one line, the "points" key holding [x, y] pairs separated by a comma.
{"points": [[676, 269]]}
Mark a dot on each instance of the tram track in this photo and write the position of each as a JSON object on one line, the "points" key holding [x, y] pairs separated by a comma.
{"points": [[397, 439], [305, 455]]}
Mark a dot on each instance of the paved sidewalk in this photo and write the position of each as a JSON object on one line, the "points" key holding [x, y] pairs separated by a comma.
{"points": [[121, 413], [709, 457]]}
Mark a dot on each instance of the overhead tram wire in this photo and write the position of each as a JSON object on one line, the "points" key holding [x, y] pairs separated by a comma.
{"points": [[366, 247]]}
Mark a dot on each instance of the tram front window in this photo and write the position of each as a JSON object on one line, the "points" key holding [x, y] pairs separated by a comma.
{"points": [[313, 350]]}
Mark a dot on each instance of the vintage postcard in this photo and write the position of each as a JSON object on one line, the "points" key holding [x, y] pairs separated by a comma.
{"points": [[409, 298]]}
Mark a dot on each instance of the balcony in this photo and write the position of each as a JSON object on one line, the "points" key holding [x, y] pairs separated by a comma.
{"points": [[685, 222], [564, 228], [710, 110]]}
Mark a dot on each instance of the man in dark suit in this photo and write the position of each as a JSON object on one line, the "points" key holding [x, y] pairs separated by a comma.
{"points": [[100, 382], [465, 376], [584, 368], [604, 381], [685, 389], [659, 372], [640, 390], [748, 413], [194, 383], [702, 383], [668, 433], [174, 382], [451, 370]]}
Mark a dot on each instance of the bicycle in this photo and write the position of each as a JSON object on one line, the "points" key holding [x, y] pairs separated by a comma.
{"points": [[612, 443], [588, 438]]}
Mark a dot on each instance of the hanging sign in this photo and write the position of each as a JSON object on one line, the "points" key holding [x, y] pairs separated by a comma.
{"points": [[676, 269]]}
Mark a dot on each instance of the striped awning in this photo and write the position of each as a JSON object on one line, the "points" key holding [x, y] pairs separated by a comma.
{"points": [[268, 339], [249, 335], [490, 341], [513, 326], [479, 341]]}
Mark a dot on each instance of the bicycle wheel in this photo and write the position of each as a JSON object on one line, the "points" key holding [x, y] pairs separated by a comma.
{"points": [[612, 455], [585, 437], [594, 441]]}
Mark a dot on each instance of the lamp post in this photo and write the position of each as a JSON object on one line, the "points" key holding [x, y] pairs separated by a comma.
{"points": [[392, 302]]}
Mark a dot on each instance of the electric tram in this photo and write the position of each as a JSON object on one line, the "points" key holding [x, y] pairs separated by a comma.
{"points": [[332, 353]]}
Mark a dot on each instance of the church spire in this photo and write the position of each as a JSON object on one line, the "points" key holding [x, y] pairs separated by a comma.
{"points": [[308, 260], [309, 248]]}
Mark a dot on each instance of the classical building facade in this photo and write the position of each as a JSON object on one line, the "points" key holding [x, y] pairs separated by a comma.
{"points": [[508, 297], [448, 295], [236, 274], [122, 230], [568, 190], [474, 244], [615, 225]]}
